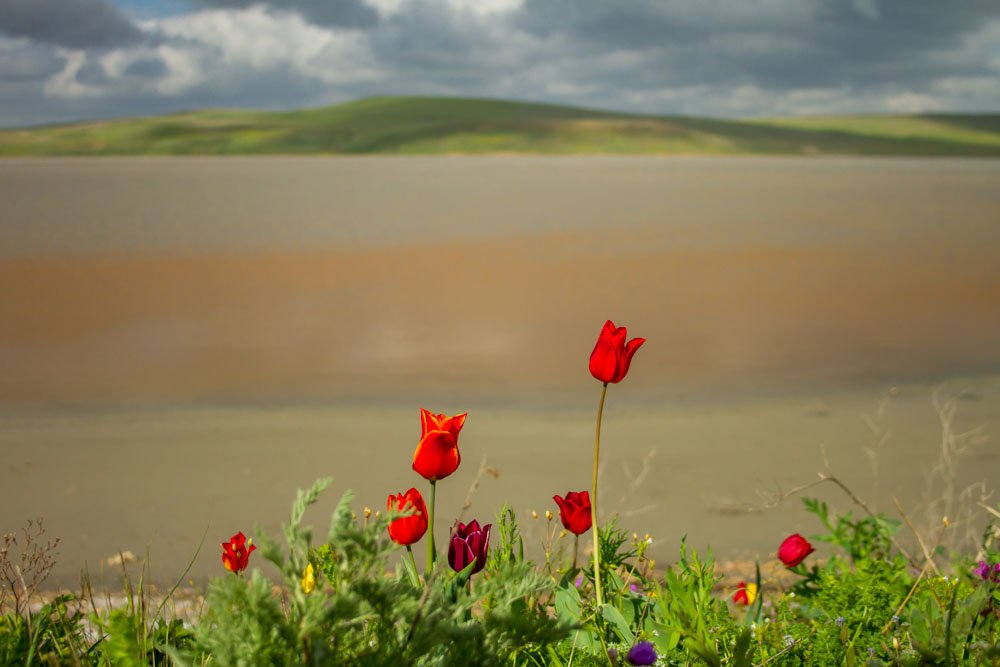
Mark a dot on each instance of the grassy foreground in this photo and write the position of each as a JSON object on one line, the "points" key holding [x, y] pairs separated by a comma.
{"points": [[430, 125]]}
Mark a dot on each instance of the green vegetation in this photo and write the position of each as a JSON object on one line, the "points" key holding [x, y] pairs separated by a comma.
{"points": [[425, 125], [869, 603]]}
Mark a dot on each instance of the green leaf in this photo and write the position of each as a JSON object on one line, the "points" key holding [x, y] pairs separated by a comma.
{"points": [[618, 621], [568, 603], [742, 652], [665, 639]]}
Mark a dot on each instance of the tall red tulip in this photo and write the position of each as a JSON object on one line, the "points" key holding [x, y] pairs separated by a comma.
{"points": [[437, 454], [609, 363], [794, 550], [574, 510], [235, 553], [408, 529], [469, 543], [612, 356]]}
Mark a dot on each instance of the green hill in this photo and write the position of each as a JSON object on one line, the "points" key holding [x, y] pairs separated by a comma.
{"points": [[426, 125]]}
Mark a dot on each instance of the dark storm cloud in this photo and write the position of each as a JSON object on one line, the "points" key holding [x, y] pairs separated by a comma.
{"points": [[75, 24], [776, 44], [331, 13], [148, 68], [28, 63], [458, 52]]}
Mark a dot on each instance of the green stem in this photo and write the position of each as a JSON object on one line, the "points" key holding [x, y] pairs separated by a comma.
{"points": [[576, 550], [409, 550], [593, 500], [431, 551]]}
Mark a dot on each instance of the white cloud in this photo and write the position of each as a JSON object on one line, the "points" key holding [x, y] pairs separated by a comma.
{"points": [[65, 84], [911, 103], [388, 8], [257, 39], [219, 48]]}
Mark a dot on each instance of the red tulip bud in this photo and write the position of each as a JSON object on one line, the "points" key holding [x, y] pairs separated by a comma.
{"points": [[437, 454], [794, 550], [408, 529], [574, 510], [612, 356]]}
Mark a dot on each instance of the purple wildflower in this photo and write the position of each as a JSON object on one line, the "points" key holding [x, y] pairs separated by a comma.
{"points": [[642, 654], [983, 570]]}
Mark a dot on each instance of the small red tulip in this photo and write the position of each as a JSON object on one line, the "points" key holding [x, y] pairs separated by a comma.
{"points": [[408, 529], [469, 543], [437, 454], [745, 593], [610, 360], [235, 553], [574, 510], [794, 550]]}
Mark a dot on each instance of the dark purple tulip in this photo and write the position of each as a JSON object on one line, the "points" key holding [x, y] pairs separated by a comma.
{"points": [[642, 654], [469, 543]]}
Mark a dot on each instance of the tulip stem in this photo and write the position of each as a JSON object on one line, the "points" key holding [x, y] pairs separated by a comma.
{"points": [[431, 551], [576, 550], [413, 560], [593, 500]]}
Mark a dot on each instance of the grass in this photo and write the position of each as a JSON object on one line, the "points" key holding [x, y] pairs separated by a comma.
{"points": [[433, 125]]}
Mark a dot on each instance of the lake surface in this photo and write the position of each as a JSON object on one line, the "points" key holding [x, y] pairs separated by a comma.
{"points": [[179, 334]]}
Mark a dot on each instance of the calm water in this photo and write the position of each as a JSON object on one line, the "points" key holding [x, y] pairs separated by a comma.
{"points": [[180, 280], [71, 206]]}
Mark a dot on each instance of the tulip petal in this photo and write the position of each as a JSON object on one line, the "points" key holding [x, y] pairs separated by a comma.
{"points": [[459, 554], [603, 360], [454, 424], [437, 455], [626, 360], [429, 422]]}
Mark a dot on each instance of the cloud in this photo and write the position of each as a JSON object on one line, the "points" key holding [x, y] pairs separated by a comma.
{"points": [[330, 13], [714, 57], [72, 24]]}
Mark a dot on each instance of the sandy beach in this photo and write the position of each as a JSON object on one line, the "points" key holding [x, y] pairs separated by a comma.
{"points": [[183, 343]]}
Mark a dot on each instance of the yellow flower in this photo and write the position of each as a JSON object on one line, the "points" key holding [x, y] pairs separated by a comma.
{"points": [[309, 580], [751, 593]]}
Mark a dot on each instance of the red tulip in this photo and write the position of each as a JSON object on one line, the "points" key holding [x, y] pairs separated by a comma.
{"points": [[574, 510], [612, 356], [745, 593], [408, 529], [235, 553], [794, 550], [469, 543], [437, 454]]}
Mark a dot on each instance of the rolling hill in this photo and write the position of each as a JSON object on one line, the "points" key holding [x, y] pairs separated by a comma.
{"points": [[433, 125]]}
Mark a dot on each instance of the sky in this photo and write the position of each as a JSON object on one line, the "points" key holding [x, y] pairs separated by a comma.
{"points": [[65, 60]]}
